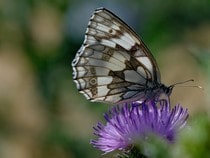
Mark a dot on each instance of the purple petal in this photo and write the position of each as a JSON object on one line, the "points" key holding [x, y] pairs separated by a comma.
{"points": [[128, 122]]}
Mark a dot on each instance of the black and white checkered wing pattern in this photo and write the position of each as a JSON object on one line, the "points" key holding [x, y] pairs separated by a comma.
{"points": [[113, 65]]}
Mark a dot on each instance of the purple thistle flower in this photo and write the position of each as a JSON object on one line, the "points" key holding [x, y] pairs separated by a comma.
{"points": [[131, 122]]}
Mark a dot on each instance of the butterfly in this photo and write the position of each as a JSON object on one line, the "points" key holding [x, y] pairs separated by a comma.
{"points": [[113, 65]]}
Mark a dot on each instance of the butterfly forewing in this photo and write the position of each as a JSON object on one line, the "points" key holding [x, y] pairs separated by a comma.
{"points": [[113, 64]]}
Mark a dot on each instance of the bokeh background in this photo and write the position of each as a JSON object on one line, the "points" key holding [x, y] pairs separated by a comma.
{"points": [[42, 115]]}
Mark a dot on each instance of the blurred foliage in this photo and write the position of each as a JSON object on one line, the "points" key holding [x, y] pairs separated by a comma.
{"points": [[195, 140], [41, 112]]}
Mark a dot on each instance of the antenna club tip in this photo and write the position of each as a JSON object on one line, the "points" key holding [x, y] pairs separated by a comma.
{"points": [[190, 80], [201, 87]]}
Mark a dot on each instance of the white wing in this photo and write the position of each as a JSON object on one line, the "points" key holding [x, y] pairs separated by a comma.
{"points": [[113, 64]]}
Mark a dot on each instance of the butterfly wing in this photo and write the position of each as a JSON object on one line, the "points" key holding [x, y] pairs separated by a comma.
{"points": [[113, 64]]}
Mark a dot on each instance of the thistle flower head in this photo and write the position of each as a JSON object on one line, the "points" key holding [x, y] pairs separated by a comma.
{"points": [[128, 123]]}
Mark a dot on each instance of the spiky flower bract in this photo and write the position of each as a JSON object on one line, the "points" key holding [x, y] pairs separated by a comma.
{"points": [[127, 124]]}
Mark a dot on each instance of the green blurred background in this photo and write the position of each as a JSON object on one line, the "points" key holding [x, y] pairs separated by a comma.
{"points": [[42, 115]]}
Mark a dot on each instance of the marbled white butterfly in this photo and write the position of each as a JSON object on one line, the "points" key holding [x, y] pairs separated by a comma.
{"points": [[114, 65]]}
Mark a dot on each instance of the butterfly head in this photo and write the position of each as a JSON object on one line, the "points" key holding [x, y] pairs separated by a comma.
{"points": [[168, 90]]}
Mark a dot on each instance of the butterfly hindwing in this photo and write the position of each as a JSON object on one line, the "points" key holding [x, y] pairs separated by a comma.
{"points": [[113, 65]]}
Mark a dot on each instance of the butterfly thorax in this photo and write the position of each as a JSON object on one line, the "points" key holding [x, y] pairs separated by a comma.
{"points": [[156, 91]]}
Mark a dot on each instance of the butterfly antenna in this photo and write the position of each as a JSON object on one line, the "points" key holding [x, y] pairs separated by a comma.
{"points": [[191, 80], [200, 87]]}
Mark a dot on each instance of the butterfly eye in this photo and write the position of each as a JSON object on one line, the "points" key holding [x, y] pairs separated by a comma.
{"points": [[169, 90]]}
